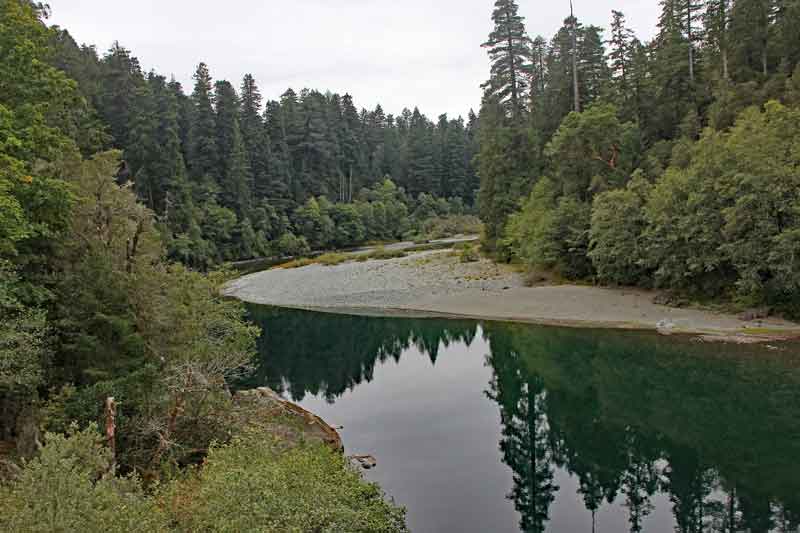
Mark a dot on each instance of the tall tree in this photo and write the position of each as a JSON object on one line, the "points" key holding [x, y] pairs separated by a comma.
{"points": [[691, 12], [717, 21], [255, 136], [576, 88], [203, 153], [121, 81], [619, 56], [510, 53]]}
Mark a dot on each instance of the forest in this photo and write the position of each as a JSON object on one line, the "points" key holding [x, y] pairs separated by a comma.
{"points": [[230, 176], [671, 163]]}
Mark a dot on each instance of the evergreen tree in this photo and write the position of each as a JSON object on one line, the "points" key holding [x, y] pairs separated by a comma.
{"points": [[279, 179], [751, 23], [620, 57], [594, 73], [691, 12], [509, 50], [203, 152], [717, 28], [121, 81], [421, 166], [255, 137]]}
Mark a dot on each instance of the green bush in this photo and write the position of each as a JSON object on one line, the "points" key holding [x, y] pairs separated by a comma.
{"points": [[617, 249], [255, 484], [332, 259], [469, 254], [449, 226], [552, 232], [70, 487]]}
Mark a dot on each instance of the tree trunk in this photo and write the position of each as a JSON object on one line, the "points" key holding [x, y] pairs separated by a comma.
{"points": [[725, 73], [111, 430], [575, 84]]}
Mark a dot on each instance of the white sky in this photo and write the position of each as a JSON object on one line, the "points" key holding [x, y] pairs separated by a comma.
{"points": [[399, 53]]}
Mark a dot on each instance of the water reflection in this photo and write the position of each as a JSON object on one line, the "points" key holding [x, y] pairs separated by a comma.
{"points": [[707, 436]]}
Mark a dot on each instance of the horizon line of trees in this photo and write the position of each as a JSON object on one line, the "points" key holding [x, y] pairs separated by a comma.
{"points": [[670, 163], [222, 168]]}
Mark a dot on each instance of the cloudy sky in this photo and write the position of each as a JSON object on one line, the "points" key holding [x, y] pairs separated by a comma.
{"points": [[399, 53]]}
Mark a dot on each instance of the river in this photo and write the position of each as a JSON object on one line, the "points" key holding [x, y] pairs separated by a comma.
{"points": [[496, 427]]}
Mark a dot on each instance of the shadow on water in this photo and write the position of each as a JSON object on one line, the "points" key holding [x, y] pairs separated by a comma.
{"points": [[707, 435]]}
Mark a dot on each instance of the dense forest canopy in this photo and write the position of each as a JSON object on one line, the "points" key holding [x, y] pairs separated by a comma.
{"points": [[232, 176], [670, 163]]}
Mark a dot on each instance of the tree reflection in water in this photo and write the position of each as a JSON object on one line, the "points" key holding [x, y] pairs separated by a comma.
{"points": [[713, 429]]}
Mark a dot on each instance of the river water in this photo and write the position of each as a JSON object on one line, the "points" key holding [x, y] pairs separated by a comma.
{"points": [[494, 427]]}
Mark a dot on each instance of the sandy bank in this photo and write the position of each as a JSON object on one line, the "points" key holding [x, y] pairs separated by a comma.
{"points": [[438, 284]]}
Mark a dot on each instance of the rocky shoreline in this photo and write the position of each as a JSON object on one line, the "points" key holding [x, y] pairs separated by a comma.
{"points": [[438, 284]]}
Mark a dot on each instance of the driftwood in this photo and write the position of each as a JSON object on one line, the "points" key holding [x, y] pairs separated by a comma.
{"points": [[111, 429]]}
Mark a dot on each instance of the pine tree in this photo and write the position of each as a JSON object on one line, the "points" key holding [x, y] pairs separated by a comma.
{"points": [[279, 179], [510, 53], [786, 34], [203, 155], [456, 161], [539, 74], [691, 15], [421, 167], [122, 79], [751, 23], [236, 192], [576, 90], [674, 95], [594, 74], [619, 57], [254, 134], [716, 21]]}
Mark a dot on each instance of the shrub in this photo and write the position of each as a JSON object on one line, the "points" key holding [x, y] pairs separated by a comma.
{"points": [[618, 224], [70, 487], [332, 259], [255, 484], [443, 227], [469, 254]]}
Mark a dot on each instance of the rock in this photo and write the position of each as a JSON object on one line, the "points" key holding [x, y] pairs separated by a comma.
{"points": [[367, 462], [313, 427], [755, 314], [665, 326]]}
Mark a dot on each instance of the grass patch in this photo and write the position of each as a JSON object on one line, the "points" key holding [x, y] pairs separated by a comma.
{"points": [[329, 259], [469, 254], [297, 263], [332, 259], [381, 254]]}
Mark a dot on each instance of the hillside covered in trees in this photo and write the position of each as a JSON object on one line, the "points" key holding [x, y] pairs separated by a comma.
{"points": [[671, 163], [231, 176]]}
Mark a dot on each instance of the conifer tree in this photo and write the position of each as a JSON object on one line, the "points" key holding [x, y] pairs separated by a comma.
{"points": [[594, 74], [279, 180], [691, 12], [509, 50], [255, 136], [717, 21], [203, 154], [121, 81], [621, 44], [236, 192], [421, 168], [751, 23]]}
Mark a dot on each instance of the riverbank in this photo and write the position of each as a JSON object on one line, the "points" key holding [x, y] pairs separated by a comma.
{"points": [[437, 283]]}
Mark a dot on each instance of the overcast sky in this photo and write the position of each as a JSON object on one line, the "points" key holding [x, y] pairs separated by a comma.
{"points": [[399, 53]]}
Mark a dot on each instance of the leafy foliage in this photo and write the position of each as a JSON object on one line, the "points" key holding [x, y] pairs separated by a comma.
{"points": [[256, 484], [681, 170], [70, 486]]}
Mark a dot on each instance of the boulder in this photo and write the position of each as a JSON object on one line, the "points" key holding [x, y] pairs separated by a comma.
{"points": [[300, 424]]}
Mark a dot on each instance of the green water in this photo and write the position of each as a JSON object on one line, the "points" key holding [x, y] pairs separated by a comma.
{"points": [[493, 427]]}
